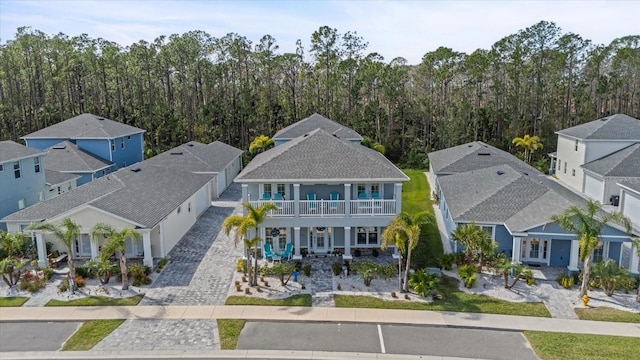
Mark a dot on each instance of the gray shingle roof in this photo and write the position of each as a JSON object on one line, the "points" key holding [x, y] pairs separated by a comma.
{"points": [[614, 127], [622, 163], [473, 156], [631, 184], [85, 126], [55, 177], [12, 151], [67, 157], [144, 197], [197, 157], [316, 121], [320, 156]]}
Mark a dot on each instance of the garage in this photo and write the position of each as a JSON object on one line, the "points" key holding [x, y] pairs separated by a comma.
{"points": [[631, 206], [593, 187]]}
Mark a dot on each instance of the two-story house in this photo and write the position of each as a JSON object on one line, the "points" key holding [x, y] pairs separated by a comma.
{"points": [[111, 141], [333, 194], [592, 157], [315, 121], [22, 178]]}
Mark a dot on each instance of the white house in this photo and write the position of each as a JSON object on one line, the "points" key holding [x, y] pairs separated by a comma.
{"points": [[161, 203]]}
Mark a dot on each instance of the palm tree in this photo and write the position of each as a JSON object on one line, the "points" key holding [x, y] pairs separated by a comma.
{"points": [[243, 224], [404, 232], [67, 232], [116, 242], [636, 243], [530, 144], [11, 266], [587, 225], [260, 144], [473, 238]]}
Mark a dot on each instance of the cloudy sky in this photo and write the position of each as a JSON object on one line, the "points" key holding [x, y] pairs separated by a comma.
{"points": [[392, 28]]}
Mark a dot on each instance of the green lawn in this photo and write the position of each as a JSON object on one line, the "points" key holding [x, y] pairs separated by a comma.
{"points": [[98, 301], [563, 346], [416, 197], [13, 301], [453, 300], [295, 300], [607, 314], [229, 331], [90, 333]]}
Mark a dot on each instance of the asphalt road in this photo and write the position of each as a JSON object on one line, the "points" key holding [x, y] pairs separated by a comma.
{"points": [[391, 339], [35, 336]]}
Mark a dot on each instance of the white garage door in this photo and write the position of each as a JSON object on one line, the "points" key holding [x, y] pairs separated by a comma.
{"points": [[631, 207], [594, 188], [202, 200]]}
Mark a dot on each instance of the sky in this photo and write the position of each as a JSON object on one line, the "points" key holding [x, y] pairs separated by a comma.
{"points": [[392, 28]]}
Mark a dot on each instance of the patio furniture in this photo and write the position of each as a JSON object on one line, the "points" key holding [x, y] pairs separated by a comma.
{"points": [[56, 258], [268, 252], [286, 254], [313, 205], [334, 197], [277, 196], [266, 196]]}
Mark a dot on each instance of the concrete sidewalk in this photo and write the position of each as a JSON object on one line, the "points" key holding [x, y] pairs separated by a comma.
{"points": [[318, 314]]}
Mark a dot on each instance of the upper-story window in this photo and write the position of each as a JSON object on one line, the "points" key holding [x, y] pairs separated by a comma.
{"points": [[129, 137], [573, 172], [362, 189], [559, 162], [266, 190], [1, 167], [122, 143], [565, 167], [280, 188], [16, 169], [37, 164], [576, 146], [113, 145]]}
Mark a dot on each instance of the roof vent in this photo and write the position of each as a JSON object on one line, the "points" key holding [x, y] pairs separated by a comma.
{"points": [[470, 145], [59, 147], [100, 118], [305, 135], [137, 169], [526, 174], [604, 119], [500, 172], [484, 153], [190, 144], [176, 153]]}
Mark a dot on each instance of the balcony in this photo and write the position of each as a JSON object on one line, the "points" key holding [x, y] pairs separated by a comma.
{"points": [[330, 208]]}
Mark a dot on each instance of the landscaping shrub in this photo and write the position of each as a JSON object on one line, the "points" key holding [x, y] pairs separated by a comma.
{"points": [[528, 277], [468, 275], [47, 272], [423, 283], [139, 274], [608, 276], [64, 285], [85, 271], [80, 282], [565, 280], [370, 270], [32, 282], [336, 267], [283, 270], [306, 269], [163, 262], [446, 261]]}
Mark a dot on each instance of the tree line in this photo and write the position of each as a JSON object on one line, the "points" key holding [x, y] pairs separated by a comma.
{"points": [[198, 87]]}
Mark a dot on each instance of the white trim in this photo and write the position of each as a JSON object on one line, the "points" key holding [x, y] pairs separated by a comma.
{"points": [[91, 207]]}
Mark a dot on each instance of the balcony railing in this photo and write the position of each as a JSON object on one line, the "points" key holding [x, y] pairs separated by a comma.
{"points": [[329, 208]]}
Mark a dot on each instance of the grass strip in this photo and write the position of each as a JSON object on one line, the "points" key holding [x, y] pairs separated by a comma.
{"points": [[98, 301], [295, 300], [607, 314], [565, 346], [229, 331], [14, 301], [89, 334]]}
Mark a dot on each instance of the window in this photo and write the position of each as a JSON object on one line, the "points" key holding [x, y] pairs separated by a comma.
{"points": [[113, 145], [276, 237], [266, 190], [21, 204], [129, 137], [59, 190], [573, 172], [122, 143], [575, 148], [36, 162], [488, 230], [189, 207], [367, 236], [362, 189], [559, 163], [280, 188], [179, 209], [565, 167], [598, 252], [375, 188], [1, 167], [16, 169], [534, 249]]}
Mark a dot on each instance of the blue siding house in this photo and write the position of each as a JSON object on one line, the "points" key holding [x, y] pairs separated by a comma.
{"points": [[333, 194], [109, 140], [22, 178], [67, 157], [514, 202]]}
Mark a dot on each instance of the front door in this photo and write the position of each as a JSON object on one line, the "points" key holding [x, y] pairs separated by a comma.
{"points": [[321, 240], [536, 250]]}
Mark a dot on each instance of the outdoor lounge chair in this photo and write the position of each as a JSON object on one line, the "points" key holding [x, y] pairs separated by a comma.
{"points": [[266, 196], [313, 205], [268, 253], [277, 196], [286, 254], [334, 197]]}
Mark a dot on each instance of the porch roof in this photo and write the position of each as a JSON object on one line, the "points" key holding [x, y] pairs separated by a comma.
{"points": [[53, 177], [67, 157], [622, 163], [320, 157]]}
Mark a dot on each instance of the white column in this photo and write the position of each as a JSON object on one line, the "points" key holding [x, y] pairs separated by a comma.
{"points": [[347, 240], [574, 255], [296, 241], [94, 248], [516, 250], [347, 199], [42, 250], [398, 196], [634, 260], [245, 193], [146, 243], [296, 200]]}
